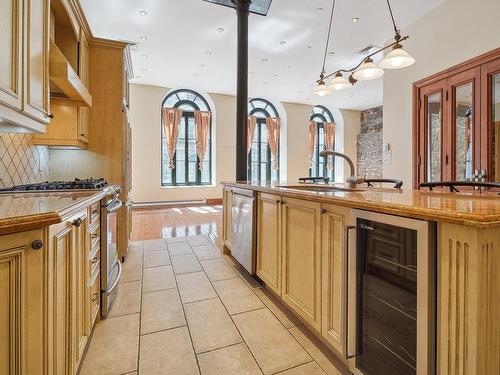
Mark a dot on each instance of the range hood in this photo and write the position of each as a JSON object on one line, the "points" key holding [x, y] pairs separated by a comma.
{"points": [[64, 81]]}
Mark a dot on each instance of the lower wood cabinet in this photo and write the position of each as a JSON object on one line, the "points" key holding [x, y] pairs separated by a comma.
{"points": [[333, 263], [301, 258], [269, 241], [23, 311]]}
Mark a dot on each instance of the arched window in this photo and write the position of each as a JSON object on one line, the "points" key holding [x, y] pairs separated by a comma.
{"points": [[320, 115], [259, 158], [186, 161]]}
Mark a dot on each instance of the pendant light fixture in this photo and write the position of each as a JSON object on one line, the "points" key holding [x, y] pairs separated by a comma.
{"points": [[367, 69]]}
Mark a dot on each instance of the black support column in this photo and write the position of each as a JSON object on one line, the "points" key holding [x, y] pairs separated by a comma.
{"points": [[242, 10]]}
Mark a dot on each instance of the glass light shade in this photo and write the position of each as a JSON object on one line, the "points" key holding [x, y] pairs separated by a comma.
{"points": [[339, 83], [368, 71], [398, 58], [322, 90]]}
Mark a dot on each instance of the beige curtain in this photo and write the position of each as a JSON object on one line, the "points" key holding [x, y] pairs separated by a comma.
{"points": [[329, 141], [202, 126], [313, 130], [251, 123], [273, 138], [171, 119]]}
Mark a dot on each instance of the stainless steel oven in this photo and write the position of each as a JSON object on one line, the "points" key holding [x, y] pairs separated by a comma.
{"points": [[111, 267], [391, 281]]}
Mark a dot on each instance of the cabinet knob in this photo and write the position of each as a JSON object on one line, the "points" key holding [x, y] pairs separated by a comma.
{"points": [[37, 244], [95, 235], [324, 211], [95, 296], [94, 260], [78, 222], [278, 201]]}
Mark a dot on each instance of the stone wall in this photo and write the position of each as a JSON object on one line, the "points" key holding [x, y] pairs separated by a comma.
{"points": [[370, 143]]}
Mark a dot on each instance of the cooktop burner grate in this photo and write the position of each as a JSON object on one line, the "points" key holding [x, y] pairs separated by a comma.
{"points": [[76, 184]]}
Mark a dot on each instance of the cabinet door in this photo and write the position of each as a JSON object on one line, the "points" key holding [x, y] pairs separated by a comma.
{"points": [[269, 241], [61, 256], [22, 304], [227, 226], [301, 259], [36, 58], [11, 66], [333, 276]]}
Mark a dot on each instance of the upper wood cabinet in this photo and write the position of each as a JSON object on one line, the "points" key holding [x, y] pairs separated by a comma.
{"points": [[23, 311], [457, 122], [24, 64], [269, 241], [301, 258]]}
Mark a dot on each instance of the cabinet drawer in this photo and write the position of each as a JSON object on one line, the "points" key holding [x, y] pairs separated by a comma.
{"points": [[95, 298], [94, 213]]}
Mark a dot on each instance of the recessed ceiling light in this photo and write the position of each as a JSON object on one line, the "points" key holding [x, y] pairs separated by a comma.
{"points": [[264, 60], [144, 69], [265, 83], [220, 29], [144, 56], [138, 77], [289, 67], [282, 43], [144, 38], [320, 9], [208, 53], [355, 19], [143, 13], [196, 74], [202, 65], [331, 53], [309, 47], [275, 75]]}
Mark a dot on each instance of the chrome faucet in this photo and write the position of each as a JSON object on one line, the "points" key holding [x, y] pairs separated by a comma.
{"points": [[352, 180]]}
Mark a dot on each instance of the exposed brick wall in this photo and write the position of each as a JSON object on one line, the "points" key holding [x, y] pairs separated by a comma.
{"points": [[370, 143]]}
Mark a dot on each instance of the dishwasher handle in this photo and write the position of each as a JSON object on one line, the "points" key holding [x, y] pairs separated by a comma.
{"points": [[244, 192]]}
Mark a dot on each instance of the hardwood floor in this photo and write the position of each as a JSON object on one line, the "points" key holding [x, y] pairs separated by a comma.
{"points": [[167, 222]]}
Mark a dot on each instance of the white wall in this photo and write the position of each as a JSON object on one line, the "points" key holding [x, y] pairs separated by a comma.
{"points": [[146, 148], [453, 32]]}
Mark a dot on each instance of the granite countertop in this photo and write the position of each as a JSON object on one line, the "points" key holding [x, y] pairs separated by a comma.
{"points": [[466, 208], [21, 211]]}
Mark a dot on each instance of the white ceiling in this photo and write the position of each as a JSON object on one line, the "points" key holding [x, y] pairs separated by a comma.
{"points": [[180, 32]]}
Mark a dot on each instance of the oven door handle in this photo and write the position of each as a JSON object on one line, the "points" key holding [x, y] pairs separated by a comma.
{"points": [[114, 206], [112, 287], [348, 355]]}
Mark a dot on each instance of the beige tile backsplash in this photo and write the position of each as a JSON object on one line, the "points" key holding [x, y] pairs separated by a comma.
{"points": [[21, 162]]}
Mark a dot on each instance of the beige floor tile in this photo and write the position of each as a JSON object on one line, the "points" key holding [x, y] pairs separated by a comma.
{"points": [[112, 336], [185, 264], [152, 245], [218, 269], [128, 300], [156, 259], [132, 269], [284, 315], [310, 368], [158, 278], [273, 346], [136, 250], [198, 240], [210, 325], [195, 287], [237, 296], [206, 252], [179, 248], [161, 310], [232, 360], [175, 239], [318, 351], [167, 352]]}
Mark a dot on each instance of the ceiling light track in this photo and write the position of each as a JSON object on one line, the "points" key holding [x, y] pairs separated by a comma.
{"points": [[366, 69]]}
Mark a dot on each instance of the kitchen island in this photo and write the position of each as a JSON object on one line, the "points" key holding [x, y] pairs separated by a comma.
{"points": [[305, 256]]}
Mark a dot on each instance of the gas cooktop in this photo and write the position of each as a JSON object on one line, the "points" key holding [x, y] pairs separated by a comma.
{"points": [[76, 184]]}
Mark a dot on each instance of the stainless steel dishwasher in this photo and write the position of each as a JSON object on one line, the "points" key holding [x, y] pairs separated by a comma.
{"points": [[243, 242]]}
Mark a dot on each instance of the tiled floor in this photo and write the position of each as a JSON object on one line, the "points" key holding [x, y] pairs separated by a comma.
{"points": [[183, 308]]}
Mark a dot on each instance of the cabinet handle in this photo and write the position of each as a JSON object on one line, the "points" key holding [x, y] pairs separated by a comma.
{"points": [[77, 222], [94, 260], [49, 115], [37, 244], [278, 201], [95, 296], [95, 235], [324, 211]]}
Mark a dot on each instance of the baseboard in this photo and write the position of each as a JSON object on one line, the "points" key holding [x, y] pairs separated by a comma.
{"points": [[213, 202]]}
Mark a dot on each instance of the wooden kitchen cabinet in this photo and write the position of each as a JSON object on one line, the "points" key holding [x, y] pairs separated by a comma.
{"points": [[269, 241], [23, 310], [333, 220], [84, 74], [301, 258], [227, 220], [24, 63]]}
